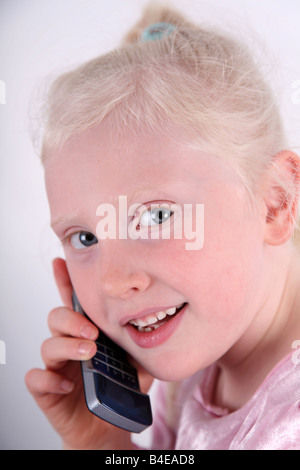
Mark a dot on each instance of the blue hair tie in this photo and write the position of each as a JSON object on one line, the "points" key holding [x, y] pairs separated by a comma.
{"points": [[157, 31]]}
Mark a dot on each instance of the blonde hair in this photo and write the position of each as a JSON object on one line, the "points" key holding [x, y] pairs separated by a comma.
{"points": [[201, 80]]}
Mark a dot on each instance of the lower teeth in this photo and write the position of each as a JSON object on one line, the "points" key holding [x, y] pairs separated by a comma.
{"points": [[145, 329]]}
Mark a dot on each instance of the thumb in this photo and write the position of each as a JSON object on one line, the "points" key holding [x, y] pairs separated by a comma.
{"points": [[63, 281]]}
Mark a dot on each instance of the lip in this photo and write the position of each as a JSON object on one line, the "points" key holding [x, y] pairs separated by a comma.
{"points": [[151, 339], [145, 313]]}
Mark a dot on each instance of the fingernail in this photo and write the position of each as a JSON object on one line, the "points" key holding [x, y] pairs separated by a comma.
{"points": [[88, 332], [85, 349], [67, 386]]}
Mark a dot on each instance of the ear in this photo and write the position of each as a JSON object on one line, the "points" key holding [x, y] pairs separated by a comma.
{"points": [[281, 197]]}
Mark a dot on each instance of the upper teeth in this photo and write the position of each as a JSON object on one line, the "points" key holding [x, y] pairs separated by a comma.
{"points": [[153, 318]]}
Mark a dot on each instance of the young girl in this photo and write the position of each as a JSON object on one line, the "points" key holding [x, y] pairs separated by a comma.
{"points": [[178, 117]]}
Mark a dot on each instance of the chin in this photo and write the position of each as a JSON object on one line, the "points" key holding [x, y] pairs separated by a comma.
{"points": [[170, 374]]}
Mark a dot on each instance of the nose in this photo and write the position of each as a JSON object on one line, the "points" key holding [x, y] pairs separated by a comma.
{"points": [[121, 276]]}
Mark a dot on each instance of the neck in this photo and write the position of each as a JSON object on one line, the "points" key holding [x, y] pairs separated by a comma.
{"points": [[269, 337]]}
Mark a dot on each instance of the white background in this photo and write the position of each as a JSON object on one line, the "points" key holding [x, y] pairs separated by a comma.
{"points": [[39, 39]]}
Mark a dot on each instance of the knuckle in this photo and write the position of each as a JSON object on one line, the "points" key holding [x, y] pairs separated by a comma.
{"points": [[32, 380], [44, 349], [53, 316], [28, 379], [62, 320]]}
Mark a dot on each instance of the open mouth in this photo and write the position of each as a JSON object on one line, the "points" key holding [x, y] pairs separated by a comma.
{"points": [[154, 321]]}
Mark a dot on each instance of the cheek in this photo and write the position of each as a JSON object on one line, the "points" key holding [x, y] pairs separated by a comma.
{"points": [[222, 277], [85, 285]]}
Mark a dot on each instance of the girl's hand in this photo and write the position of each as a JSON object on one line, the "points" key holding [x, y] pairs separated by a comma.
{"points": [[58, 390]]}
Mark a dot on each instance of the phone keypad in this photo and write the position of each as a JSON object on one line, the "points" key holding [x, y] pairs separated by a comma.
{"points": [[110, 360]]}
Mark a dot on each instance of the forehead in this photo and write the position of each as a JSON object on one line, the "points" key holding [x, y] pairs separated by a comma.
{"points": [[97, 157], [110, 154], [95, 167]]}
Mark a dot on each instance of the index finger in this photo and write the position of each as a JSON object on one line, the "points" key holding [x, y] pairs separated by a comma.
{"points": [[63, 281]]}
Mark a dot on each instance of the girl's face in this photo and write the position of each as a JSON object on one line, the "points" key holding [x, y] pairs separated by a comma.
{"points": [[129, 281]]}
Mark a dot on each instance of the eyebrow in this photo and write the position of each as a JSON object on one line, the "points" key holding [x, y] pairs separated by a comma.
{"points": [[131, 196], [63, 219], [142, 190]]}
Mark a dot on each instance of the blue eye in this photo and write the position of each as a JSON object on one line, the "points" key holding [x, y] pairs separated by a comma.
{"points": [[81, 240], [156, 216]]}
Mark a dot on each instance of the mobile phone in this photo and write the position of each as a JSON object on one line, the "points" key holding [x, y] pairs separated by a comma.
{"points": [[111, 385]]}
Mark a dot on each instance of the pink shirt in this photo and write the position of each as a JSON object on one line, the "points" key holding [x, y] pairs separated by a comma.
{"points": [[270, 420]]}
